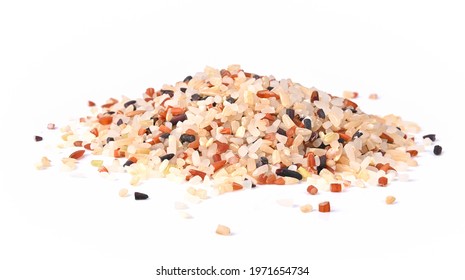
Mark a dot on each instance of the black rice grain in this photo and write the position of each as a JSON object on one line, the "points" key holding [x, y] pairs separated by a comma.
{"points": [[437, 150], [167, 156], [140, 196], [289, 173]]}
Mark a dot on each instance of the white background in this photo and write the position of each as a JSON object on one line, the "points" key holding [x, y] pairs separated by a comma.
{"points": [[56, 55]]}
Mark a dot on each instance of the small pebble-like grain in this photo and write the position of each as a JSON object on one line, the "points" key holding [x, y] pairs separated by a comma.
{"points": [[123, 192], [432, 137], [307, 208], [324, 207], [437, 150], [335, 187], [223, 230], [382, 181], [77, 154], [312, 190], [140, 196], [390, 199]]}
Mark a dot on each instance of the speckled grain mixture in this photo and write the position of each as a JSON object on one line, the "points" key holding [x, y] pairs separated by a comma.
{"points": [[233, 130]]}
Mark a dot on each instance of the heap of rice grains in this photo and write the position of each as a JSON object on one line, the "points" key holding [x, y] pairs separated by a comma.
{"points": [[232, 130]]}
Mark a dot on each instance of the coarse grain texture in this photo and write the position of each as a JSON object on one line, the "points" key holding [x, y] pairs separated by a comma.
{"points": [[222, 126], [223, 230]]}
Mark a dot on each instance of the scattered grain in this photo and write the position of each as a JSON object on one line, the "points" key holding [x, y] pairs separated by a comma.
{"points": [[382, 181], [221, 127], [432, 137], [223, 230], [437, 150], [123, 192], [324, 207], [77, 154], [307, 208], [390, 199], [140, 196], [335, 187], [312, 190]]}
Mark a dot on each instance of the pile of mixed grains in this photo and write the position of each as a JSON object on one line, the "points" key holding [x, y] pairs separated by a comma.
{"points": [[231, 129]]}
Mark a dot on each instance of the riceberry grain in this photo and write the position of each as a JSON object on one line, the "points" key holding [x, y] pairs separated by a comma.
{"points": [[167, 91], [432, 137], [308, 123], [231, 100], [187, 138], [187, 79], [129, 103], [140, 196], [164, 135], [288, 173], [167, 156], [437, 150], [356, 135], [281, 131], [290, 113], [323, 160], [179, 118], [195, 97]]}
